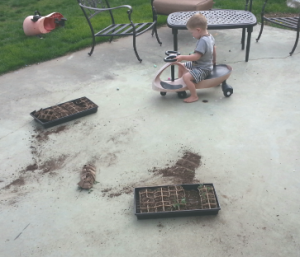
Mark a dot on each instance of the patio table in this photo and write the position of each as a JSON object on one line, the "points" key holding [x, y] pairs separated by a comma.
{"points": [[216, 19]]}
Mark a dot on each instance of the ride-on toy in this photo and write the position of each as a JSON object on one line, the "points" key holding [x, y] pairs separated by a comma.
{"points": [[219, 74]]}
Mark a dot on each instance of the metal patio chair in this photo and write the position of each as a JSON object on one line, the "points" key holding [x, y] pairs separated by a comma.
{"points": [[91, 8], [288, 22]]}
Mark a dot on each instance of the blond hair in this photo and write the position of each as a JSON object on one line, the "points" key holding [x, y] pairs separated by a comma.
{"points": [[198, 20]]}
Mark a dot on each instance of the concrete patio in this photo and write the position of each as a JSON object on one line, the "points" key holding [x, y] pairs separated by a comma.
{"points": [[249, 145]]}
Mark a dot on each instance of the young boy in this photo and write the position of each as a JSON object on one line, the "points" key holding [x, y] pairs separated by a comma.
{"points": [[200, 63]]}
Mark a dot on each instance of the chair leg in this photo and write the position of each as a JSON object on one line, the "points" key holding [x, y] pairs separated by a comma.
{"points": [[156, 35], [261, 28], [249, 31], [243, 38], [295, 45], [111, 38], [134, 47], [93, 45]]}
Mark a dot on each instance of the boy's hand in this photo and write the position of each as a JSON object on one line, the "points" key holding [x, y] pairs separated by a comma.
{"points": [[179, 58]]}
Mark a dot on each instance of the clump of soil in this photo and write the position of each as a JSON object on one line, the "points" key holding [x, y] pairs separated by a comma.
{"points": [[87, 177], [184, 169], [31, 167]]}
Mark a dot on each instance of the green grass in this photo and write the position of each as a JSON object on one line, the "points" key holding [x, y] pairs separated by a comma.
{"points": [[273, 6], [18, 50]]}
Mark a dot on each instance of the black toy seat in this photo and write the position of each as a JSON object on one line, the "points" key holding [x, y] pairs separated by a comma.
{"points": [[218, 71]]}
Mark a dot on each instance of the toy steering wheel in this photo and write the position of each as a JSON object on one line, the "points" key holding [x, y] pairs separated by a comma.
{"points": [[169, 52], [171, 58]]}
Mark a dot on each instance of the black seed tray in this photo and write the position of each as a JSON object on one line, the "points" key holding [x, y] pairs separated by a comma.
{"points": [[74, 116], [179, 213]]}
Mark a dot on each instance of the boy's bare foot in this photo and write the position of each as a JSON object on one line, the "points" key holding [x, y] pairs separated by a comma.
{"points": [[191, 99]]}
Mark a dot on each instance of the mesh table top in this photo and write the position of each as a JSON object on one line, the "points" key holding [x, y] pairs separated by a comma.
{"points": [[216, 19]]}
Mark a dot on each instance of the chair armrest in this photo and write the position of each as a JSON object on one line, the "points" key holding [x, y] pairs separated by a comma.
{"points": [[106, 9]]}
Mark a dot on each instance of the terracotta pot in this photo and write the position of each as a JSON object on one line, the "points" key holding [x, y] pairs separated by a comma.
{"points": [[35, 24]]}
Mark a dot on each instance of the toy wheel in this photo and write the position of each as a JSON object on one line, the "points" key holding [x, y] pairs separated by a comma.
{"points": [[163, 93], [227, 90], [181, 94]]}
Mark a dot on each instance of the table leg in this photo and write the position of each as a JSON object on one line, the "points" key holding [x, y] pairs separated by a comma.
{"points": [[249, 31], [243, 38], [175, 32]]}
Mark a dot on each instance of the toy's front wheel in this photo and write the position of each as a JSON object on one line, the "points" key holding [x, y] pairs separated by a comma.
{"points": [[227, 90], [163, 93], [182, 94]]}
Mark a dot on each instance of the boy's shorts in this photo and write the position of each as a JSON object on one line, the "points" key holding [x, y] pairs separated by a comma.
{"points": [[198, 73]]}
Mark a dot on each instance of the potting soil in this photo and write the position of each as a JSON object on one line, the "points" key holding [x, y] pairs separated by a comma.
{"points": [[175, 198], [65, 109]]}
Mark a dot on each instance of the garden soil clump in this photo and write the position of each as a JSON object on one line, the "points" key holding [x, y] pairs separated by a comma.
{"points": [[184, 169], [87, 176]]}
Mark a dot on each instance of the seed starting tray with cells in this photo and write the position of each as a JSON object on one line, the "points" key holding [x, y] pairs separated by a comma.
{"points": [[64, 112], [175, 200]]}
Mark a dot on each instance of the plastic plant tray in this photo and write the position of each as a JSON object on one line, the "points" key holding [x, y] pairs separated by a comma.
{"points": [[48, 124], [176, 213]]}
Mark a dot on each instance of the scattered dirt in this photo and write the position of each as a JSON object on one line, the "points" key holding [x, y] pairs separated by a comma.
{"points": [[183, 172], [106, 190], [39, 164], [110, 158], [109, 77], [160, 225], [121, 137], [43, 134], [53, 164], [184, 169], [112, 195], [125, 190], [18, 182]]}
